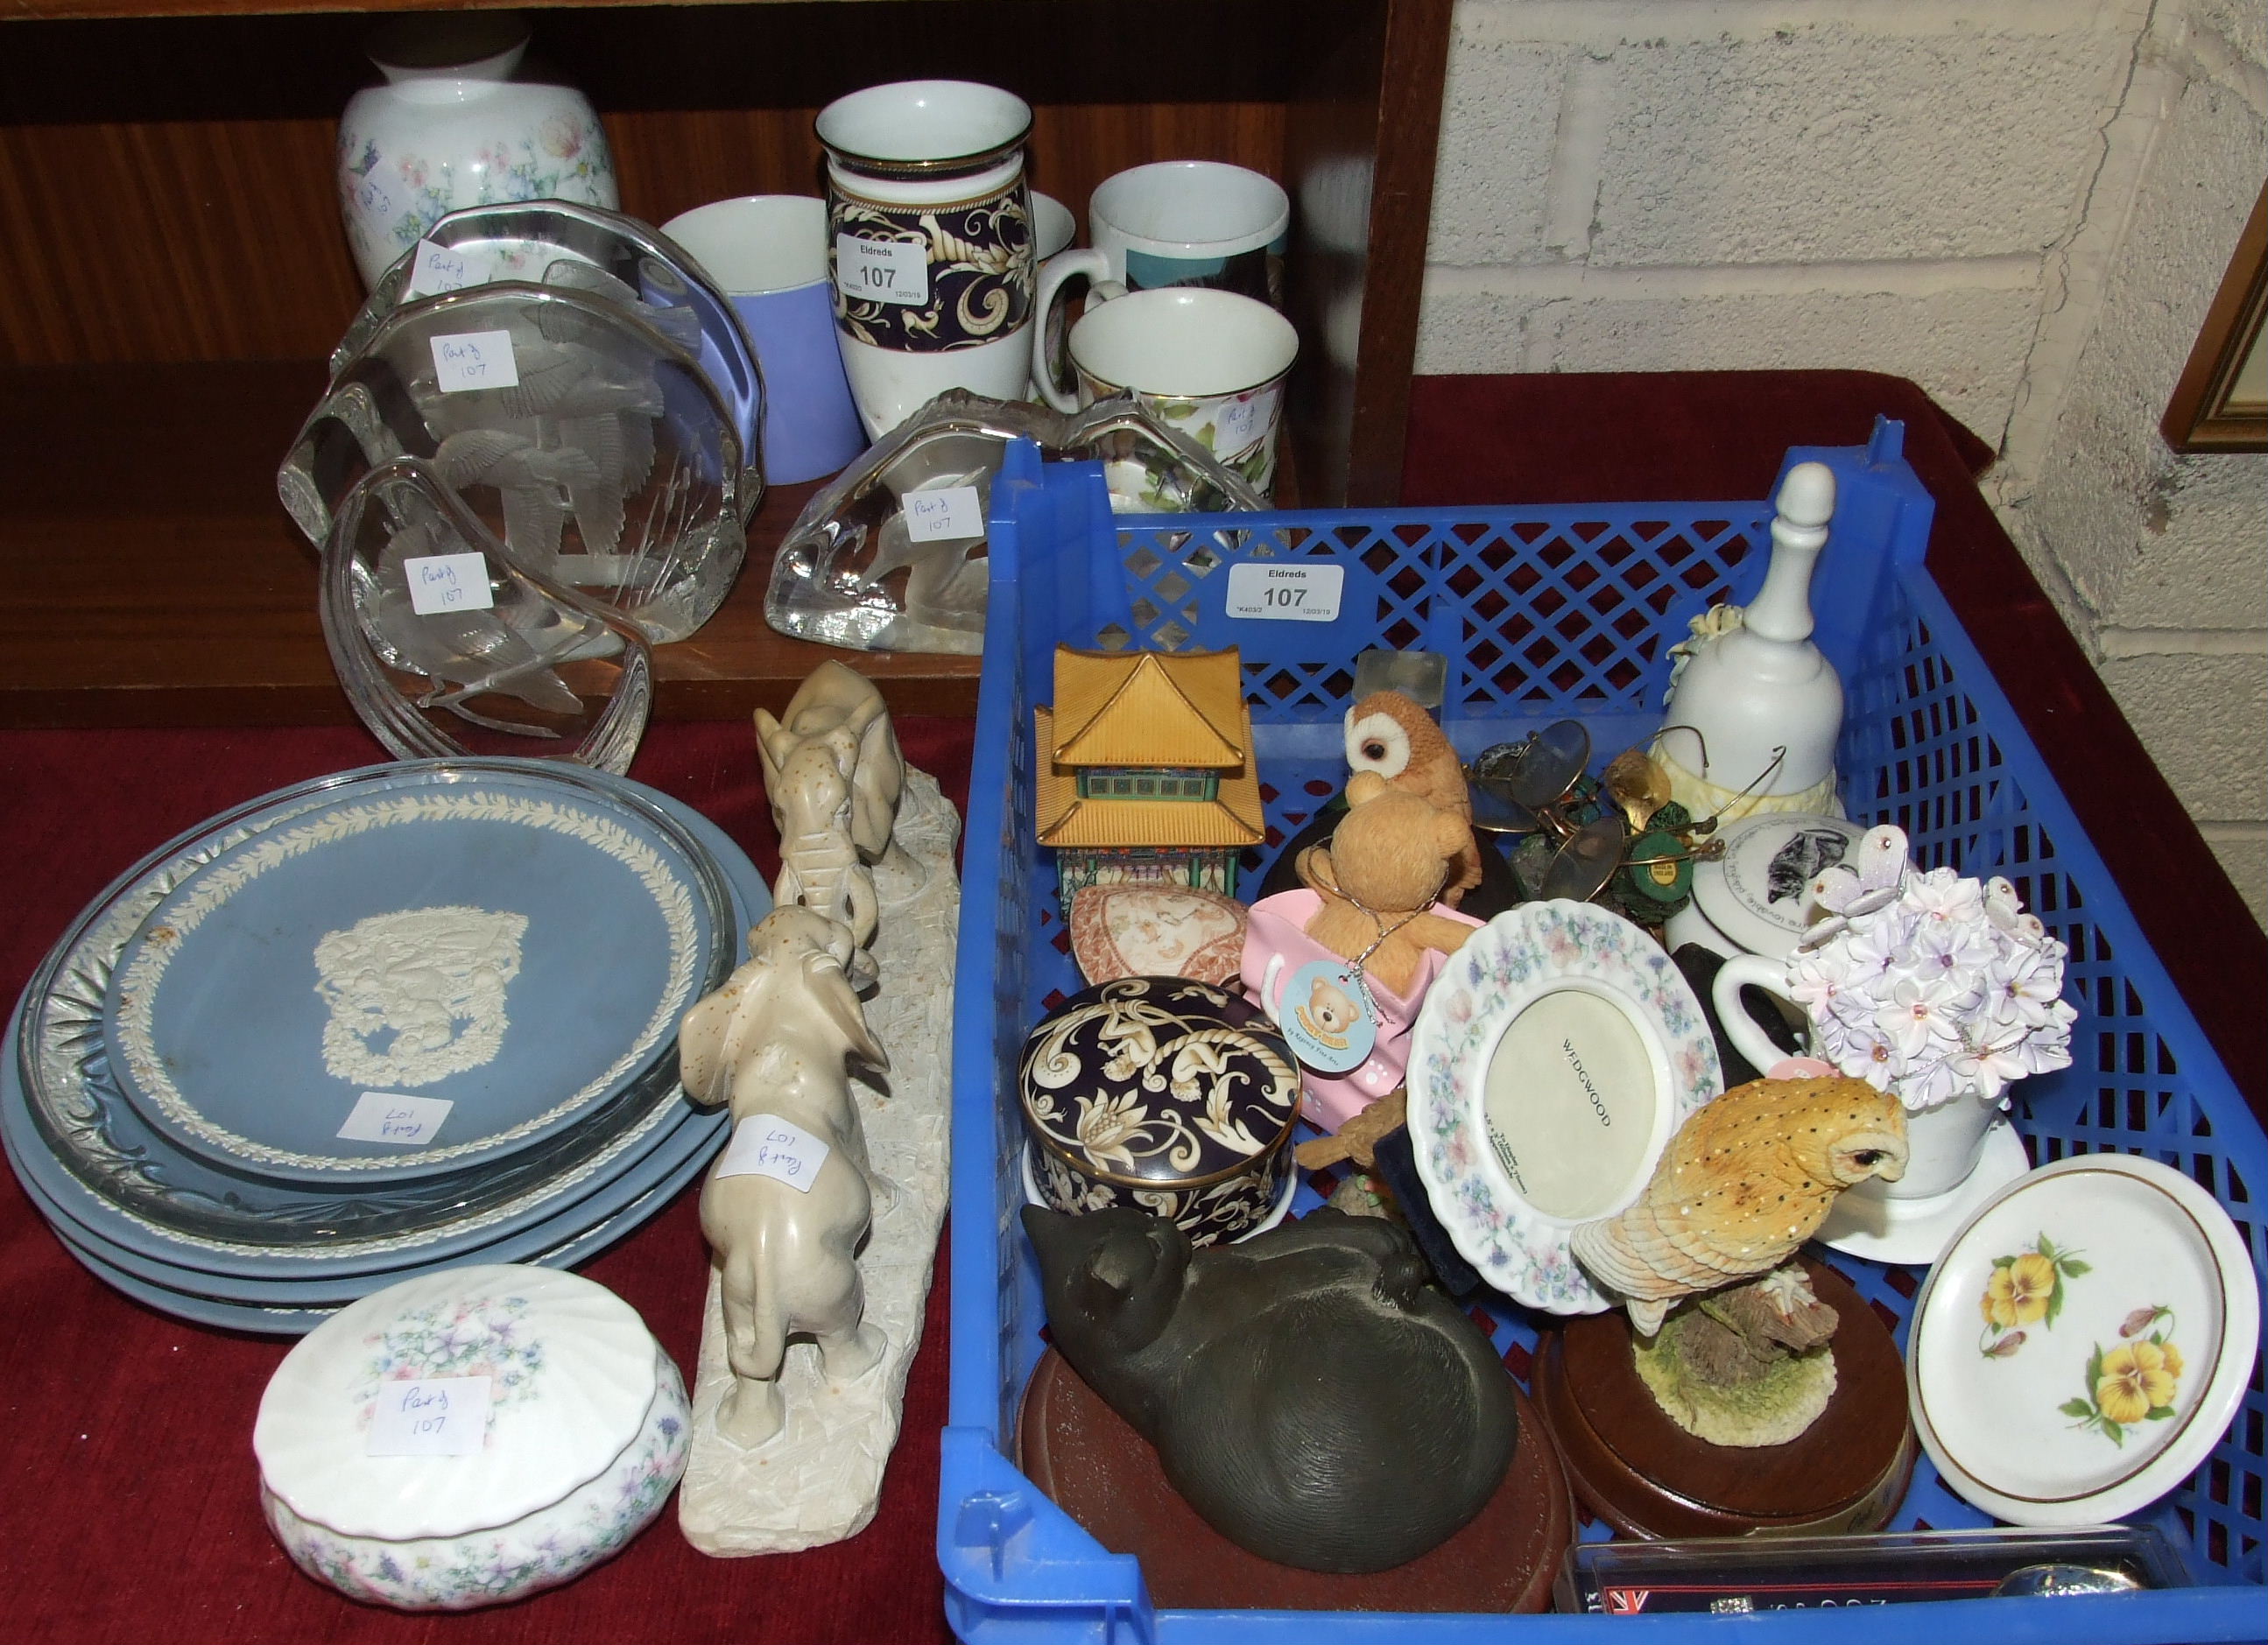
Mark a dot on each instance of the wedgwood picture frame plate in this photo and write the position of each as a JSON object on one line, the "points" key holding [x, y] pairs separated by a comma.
{"points": [[130, 1187], [1552, 1062], [2083, 1341], [517, 947]]}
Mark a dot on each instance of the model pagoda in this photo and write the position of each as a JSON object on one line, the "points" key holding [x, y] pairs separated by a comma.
{"points": [[1146, 770]]}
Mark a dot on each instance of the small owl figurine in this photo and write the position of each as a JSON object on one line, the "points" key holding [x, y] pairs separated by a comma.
{"points": [[1390, 734], [1746, 1180]]}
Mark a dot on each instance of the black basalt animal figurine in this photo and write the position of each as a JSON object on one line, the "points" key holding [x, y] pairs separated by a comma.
{"points": [[1308, 1393]]}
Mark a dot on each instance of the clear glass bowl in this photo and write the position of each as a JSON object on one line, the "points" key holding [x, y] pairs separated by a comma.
{"points": [[599, 454], [849, 574], [557, 242], [501, 654]]}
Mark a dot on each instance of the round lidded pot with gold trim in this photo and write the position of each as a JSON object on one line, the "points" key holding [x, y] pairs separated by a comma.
{"points": [[1165, 1094]]}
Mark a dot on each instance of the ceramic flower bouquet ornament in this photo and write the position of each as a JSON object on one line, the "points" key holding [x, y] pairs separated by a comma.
{"points": [[1938, 988], [1934, 987]]}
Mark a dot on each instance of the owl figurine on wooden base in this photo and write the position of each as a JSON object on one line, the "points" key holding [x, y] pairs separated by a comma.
{"points": [[1746, 1180]]}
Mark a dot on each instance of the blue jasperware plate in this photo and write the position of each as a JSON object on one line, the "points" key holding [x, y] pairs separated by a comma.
{"points": [[518, 948], [287, 1319], [94, 1163]]}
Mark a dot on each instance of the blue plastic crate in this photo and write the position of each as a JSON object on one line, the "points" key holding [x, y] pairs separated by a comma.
{"points": [[1544, 612]]}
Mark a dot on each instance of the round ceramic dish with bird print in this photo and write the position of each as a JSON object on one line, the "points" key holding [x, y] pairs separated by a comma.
{"points": [[2082, 1344], [1554, 1059]]}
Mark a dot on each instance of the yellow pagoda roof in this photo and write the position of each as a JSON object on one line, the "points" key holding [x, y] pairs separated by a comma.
{"points": [[1150, 709], [1233, 820]]}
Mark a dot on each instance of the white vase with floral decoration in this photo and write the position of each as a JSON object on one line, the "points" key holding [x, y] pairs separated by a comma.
{"points": [[452, 128]]}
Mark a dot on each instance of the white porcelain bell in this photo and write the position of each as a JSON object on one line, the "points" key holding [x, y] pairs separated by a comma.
{"points": [[1760, 686]]}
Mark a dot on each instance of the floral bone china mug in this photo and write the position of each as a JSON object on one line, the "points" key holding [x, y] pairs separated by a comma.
{"points": [[930, 242], [1209, 364], [1174, 223]]}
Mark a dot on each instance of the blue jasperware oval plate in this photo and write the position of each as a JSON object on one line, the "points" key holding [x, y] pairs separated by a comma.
{"points": [[432, 969]]}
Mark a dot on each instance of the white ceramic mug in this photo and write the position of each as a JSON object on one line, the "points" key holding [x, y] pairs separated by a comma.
{"points": [[1176, 222], [1053, 230], [1943, 1141], [1053, 226], [929, 225], [1209, 364], [769, 253]]}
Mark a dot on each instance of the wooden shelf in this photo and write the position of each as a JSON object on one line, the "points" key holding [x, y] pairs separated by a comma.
{"points": [[172, 234], [170, 196], [53, 11], [149, 576]]}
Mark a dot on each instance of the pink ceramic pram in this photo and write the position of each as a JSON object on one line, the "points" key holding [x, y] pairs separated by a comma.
{"points": [[1276, 945]]}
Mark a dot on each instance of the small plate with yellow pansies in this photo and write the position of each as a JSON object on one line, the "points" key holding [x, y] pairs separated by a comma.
{"points": [[2083, 1341]]}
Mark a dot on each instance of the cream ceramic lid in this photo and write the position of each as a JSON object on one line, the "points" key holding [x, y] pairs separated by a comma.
{"points": [[1759, 892], [571, 1372]]}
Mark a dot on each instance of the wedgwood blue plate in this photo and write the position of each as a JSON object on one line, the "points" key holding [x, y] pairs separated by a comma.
{"points": [[690, 1142], [287, 1319], [92, 1162], [674, 1160], [434, 968]]}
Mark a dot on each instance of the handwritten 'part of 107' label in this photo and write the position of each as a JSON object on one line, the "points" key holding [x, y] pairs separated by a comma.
{"points": [[438, 268], [949, 514], [765, 1145], [475, 359], [429, 1416], [442, 582], [402, 1122]]}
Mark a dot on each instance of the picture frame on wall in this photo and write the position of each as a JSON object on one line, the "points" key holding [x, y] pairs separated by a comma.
{"points": [[2221, 404]]}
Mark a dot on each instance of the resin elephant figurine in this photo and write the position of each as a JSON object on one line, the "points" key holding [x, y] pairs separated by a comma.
{"points": [[839, 708], [788, 1203]]}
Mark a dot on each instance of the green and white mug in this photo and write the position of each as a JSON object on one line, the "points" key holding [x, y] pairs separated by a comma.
{"points": [[1209, 364]]}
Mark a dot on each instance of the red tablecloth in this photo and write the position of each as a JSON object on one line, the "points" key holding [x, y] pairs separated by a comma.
{"points": [[128, 1504], [128, 1508]]}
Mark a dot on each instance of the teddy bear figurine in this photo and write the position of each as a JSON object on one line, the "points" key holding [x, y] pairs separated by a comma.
{"points": [[1379, 877]]}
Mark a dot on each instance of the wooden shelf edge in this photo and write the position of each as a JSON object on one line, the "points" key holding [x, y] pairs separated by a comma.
{"points": [[89, 11], [940, 686], [195, 600]]}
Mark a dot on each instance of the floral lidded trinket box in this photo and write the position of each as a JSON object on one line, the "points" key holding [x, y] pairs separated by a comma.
{"points": [[470, 1437], [1165, 1094]]}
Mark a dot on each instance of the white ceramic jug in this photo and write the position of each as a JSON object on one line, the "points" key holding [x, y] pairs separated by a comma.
{"points": [[452, 128]]}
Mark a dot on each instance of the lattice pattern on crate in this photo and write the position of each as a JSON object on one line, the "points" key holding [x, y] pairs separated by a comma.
{"points": [[1575, 612], [1919, 755], [1919, 752], [1025, 905], [1562, 610]]}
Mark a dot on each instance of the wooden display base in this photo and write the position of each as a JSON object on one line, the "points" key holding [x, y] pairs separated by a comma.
{"points": [[1648, 1476], [1086, 1458]]}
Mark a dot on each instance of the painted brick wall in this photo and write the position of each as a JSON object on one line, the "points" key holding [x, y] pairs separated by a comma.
{"points": [[2023, 205]]}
